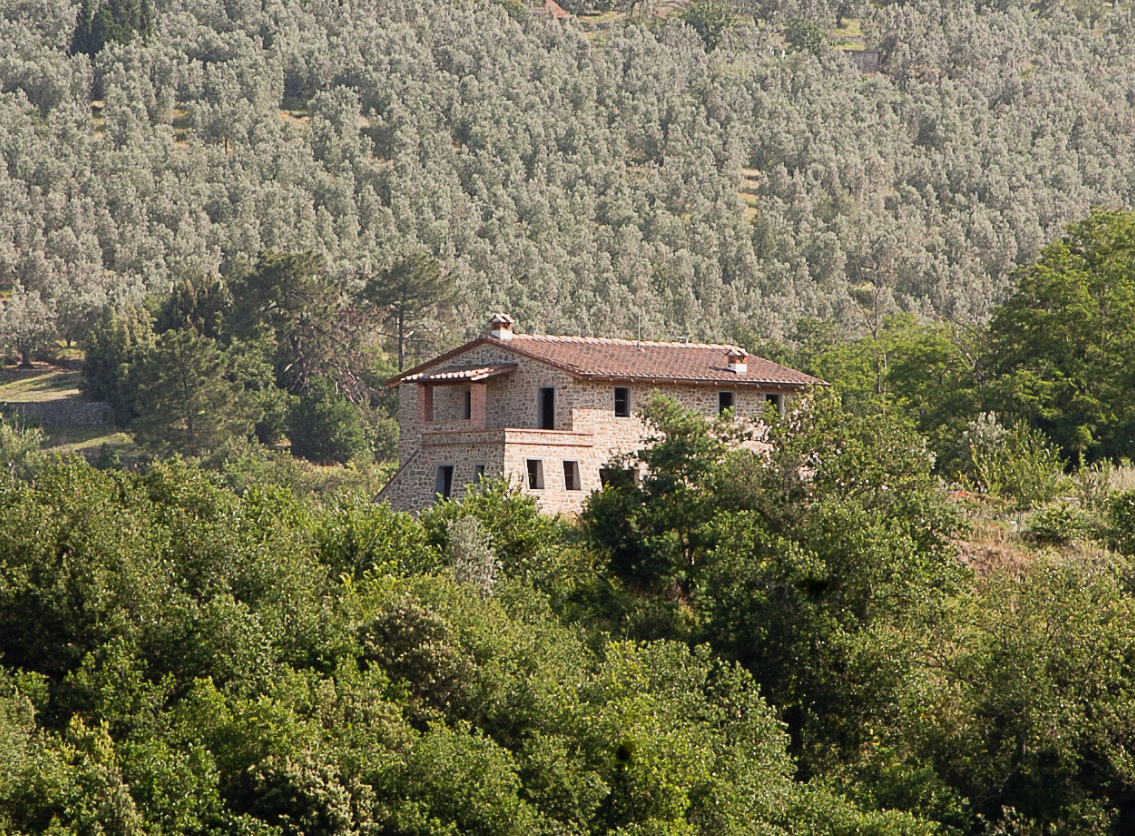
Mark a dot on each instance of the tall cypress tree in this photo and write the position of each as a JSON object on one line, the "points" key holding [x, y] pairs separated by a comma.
{"points": [[103, 21]]}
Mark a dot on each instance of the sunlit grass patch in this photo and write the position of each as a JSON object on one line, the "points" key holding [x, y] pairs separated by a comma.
{"points": [[43, 383]]}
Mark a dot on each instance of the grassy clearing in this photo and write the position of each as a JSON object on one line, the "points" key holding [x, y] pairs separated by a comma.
{"points": [[599, 17], [848, 37], [89, 441], [302, 118], [45, 383], [42, 383], [750, 178]]}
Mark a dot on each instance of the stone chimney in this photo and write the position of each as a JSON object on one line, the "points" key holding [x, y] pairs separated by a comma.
{"points": [[735, 361], [500, 326]]}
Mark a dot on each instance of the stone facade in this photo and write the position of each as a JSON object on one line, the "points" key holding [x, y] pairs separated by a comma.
{"points": [[70, 412], [491, 428]]}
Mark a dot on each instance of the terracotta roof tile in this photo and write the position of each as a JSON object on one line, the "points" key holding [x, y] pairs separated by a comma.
{"points": [[597, 357], [460, 375], [630, 360], [554, 9]]}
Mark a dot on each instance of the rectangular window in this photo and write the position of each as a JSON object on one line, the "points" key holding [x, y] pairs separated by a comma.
{"points": [[547, 408], [773, 401], [478, 474], [443, 481], [535, 474], [616, 478], [571, 477], [622, 402], [724, 401], [468, 404]]}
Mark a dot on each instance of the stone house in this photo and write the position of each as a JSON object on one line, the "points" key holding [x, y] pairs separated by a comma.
{"points": [[550, 412]]}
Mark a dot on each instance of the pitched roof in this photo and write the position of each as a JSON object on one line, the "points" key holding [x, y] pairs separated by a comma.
{"points": [[461, 375], [598, 358]]}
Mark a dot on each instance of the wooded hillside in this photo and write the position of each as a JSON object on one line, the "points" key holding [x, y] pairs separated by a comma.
{"points": [[615, 182]]}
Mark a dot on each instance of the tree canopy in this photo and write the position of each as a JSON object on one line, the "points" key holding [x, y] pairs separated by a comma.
{"points": [[1063, 345], [613, 183]]}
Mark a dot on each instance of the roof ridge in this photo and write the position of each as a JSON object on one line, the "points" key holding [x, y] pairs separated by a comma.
{"points": [[618, 341]]}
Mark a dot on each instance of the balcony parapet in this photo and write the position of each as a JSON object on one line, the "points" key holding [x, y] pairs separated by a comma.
{"points": [[453, 433]]}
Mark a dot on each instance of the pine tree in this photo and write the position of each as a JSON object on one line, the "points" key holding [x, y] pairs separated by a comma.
{"points": [[406, 291], [186, 403]]}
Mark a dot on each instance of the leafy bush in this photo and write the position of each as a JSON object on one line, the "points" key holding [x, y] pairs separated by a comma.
{"points": [[804, 36], [710, 19], [520, 534], [117, 340], [471, 550], [325, 427], [21, 453], [1018, 462], [1057, 526], [1121, 521]]}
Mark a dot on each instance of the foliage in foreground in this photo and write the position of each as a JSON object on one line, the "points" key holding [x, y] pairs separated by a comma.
{"points": [[190, 661], [828, 567], [800, 650]]}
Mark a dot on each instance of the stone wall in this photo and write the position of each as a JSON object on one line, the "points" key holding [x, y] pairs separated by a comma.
{"points": [[502, 452], [412, 487], [511, 399], [62, 413]]}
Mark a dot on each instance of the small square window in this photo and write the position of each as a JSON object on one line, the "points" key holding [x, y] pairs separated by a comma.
{"points": [[724, 401], [773, 401], [478, 474], [535, 474], [622, 402], [571, 477], [443, 481]]}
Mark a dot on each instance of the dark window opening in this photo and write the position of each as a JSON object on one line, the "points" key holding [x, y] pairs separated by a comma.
{"points": [[468, 405], [622, 402], [614, 477], [443, 481], [478, 474], [535, 474], [571, 476], [724, 401], [547, 417], [773, 401]]}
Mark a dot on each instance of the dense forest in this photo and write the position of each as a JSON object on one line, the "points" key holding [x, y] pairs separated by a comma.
{"points": [[617, 182], [819, 641]]}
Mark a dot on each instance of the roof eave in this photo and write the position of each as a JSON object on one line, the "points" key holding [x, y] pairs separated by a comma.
{"points": [[699, 381], [575, 372], [449, 355]]}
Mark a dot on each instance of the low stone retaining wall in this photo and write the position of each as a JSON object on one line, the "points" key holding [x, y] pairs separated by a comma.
{"points": [[63, 413]]}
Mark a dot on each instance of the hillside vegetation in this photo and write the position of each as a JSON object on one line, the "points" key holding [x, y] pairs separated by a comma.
{"points": [[823, 641], [914, 615], [630, 180]]}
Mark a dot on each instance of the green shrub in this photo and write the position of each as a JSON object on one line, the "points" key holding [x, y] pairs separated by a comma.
{"points": [[325, 427], [804, 36], [115, 343], [1017, 462], [1058, 526], [710, 19], [1121, 522], [21, 449]]}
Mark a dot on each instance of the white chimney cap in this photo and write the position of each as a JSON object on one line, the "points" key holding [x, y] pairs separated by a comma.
{"points": [[735, 360], [500, 326]]}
